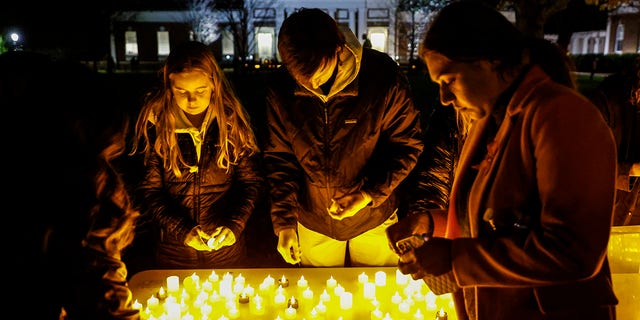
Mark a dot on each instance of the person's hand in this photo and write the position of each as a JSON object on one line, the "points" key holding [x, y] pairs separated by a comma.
{"points": [[197, 239], [348, 205], [288, 245], [419, 224], [432, 258], [221, 237]]}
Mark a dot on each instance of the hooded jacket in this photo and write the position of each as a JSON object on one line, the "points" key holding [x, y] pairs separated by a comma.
{"points": [[205, 194], [363, 135]]}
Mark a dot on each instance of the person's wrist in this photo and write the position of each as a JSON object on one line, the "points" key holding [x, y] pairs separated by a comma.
{"points": [[367, 198]]}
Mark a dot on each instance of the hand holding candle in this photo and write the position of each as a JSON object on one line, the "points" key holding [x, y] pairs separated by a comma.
{"points": [[221, 237]]}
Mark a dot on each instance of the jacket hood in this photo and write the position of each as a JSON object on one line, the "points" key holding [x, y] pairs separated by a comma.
{"points": [[348, 67]]}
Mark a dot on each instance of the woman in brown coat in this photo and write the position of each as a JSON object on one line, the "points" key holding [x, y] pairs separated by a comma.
{"points": [[531, 204]]}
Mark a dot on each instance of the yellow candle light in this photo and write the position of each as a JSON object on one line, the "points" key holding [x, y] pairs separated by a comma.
{"points": [[307, 294], [243, 298], [331, 283], [418, 315], [363, 278], [153, 302], [257, 306], [441, 315], [240, 279], [290, 313], [396, 298], [321, 308], [280, 300], [162, 294], [233, 313], [269, 280], [376, 314], [324, 296], [214, 277], [381, 279], [404, 308], [369, 290], [430, 300], [346, 300], [137, 305], [292, 302], [302, 283], [207, 285], [338, 290], [284, 282], [401, 279], [173, 284]]}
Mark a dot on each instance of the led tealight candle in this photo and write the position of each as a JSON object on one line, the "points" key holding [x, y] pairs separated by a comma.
{"points": [[376, 314], [430, 300], [324, 296], [243, 298], [213, 277], [292, 303], [381, 279], [280, 300], [269, 280], [307, 294], [338, 290], [396, 298], [173, 284], [284, 282], [313, 314], [227, 276], [249, 290], [226, 287], [369, 290], [404, 308], [401, 279], [331, 283], [302, 283], [233, 313], [290, 313], [441, 315], [137, 305], [162, 294], [207, 285], [418, 315], [206, 310], [321, 308], [240, 279], [173, 310], [346, 300], [257, 306], [238, 287], [153, 302], [363, 278]]}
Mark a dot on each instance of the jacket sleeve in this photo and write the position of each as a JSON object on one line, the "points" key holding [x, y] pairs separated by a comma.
{"points": [[158, 205], [245, 193], [400, 146], [283, 171]]}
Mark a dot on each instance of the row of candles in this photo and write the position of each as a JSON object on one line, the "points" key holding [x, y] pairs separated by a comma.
{"points": [[230, 297]]}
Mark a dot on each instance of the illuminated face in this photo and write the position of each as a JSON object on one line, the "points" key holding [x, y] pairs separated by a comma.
{"points": [[471, 87], [191, 90]]}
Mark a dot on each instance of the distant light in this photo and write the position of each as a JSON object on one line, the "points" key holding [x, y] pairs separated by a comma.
{"points": [[15, 37]]}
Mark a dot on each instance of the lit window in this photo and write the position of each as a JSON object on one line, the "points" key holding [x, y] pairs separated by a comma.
{"points": [[265, 40], [163, 43], [130, 43], [619, 38]]}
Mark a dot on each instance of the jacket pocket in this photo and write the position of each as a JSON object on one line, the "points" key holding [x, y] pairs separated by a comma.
{"points": [[595, 292]]}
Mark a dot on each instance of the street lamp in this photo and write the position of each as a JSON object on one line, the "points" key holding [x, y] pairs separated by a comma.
{"points": [[15, 39]]}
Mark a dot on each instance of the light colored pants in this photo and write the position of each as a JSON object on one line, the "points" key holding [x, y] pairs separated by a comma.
{"points": [[370, 249]]}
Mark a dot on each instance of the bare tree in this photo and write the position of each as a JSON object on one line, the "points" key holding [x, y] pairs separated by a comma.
{"points": [[203, 20], [414, 16], [243, 18]]}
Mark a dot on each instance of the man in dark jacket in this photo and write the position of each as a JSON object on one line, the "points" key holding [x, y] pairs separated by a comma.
{"points": [[343, 134]]}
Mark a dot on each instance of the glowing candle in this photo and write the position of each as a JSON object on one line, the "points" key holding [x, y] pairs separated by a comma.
{"points": [[376, 314], [292, 303], [369, 290], [331, 283], [233, 313], [302, 282], [243, 298], [321, 307], [290, 313], [227, 276], [346, 300], [249, 290], [401, 279], [173, 283], [206, 310], [213, 277], [404, 308], [162, 294], [396, 298], [238, 287], [257, 306], [137, 305], [269, 280], [307, 294], [240, 279], [338, 290], [441, 315], [207, 285], [152, 302], [430, 300], [363, 278], [280, 300], [325, 296], [313, 314], [381, 279], [418, 315], [226, 287], [173, 310], [284, 282]]}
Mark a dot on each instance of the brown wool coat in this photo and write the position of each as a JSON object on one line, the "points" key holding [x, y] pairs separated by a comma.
{"points": [[553, 173]]}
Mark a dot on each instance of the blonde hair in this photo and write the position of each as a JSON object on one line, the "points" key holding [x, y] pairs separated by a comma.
{"points": [[235, 136]]}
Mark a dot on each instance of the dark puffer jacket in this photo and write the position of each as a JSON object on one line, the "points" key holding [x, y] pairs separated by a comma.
{"points": [[365, 137], [209, 197]]}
